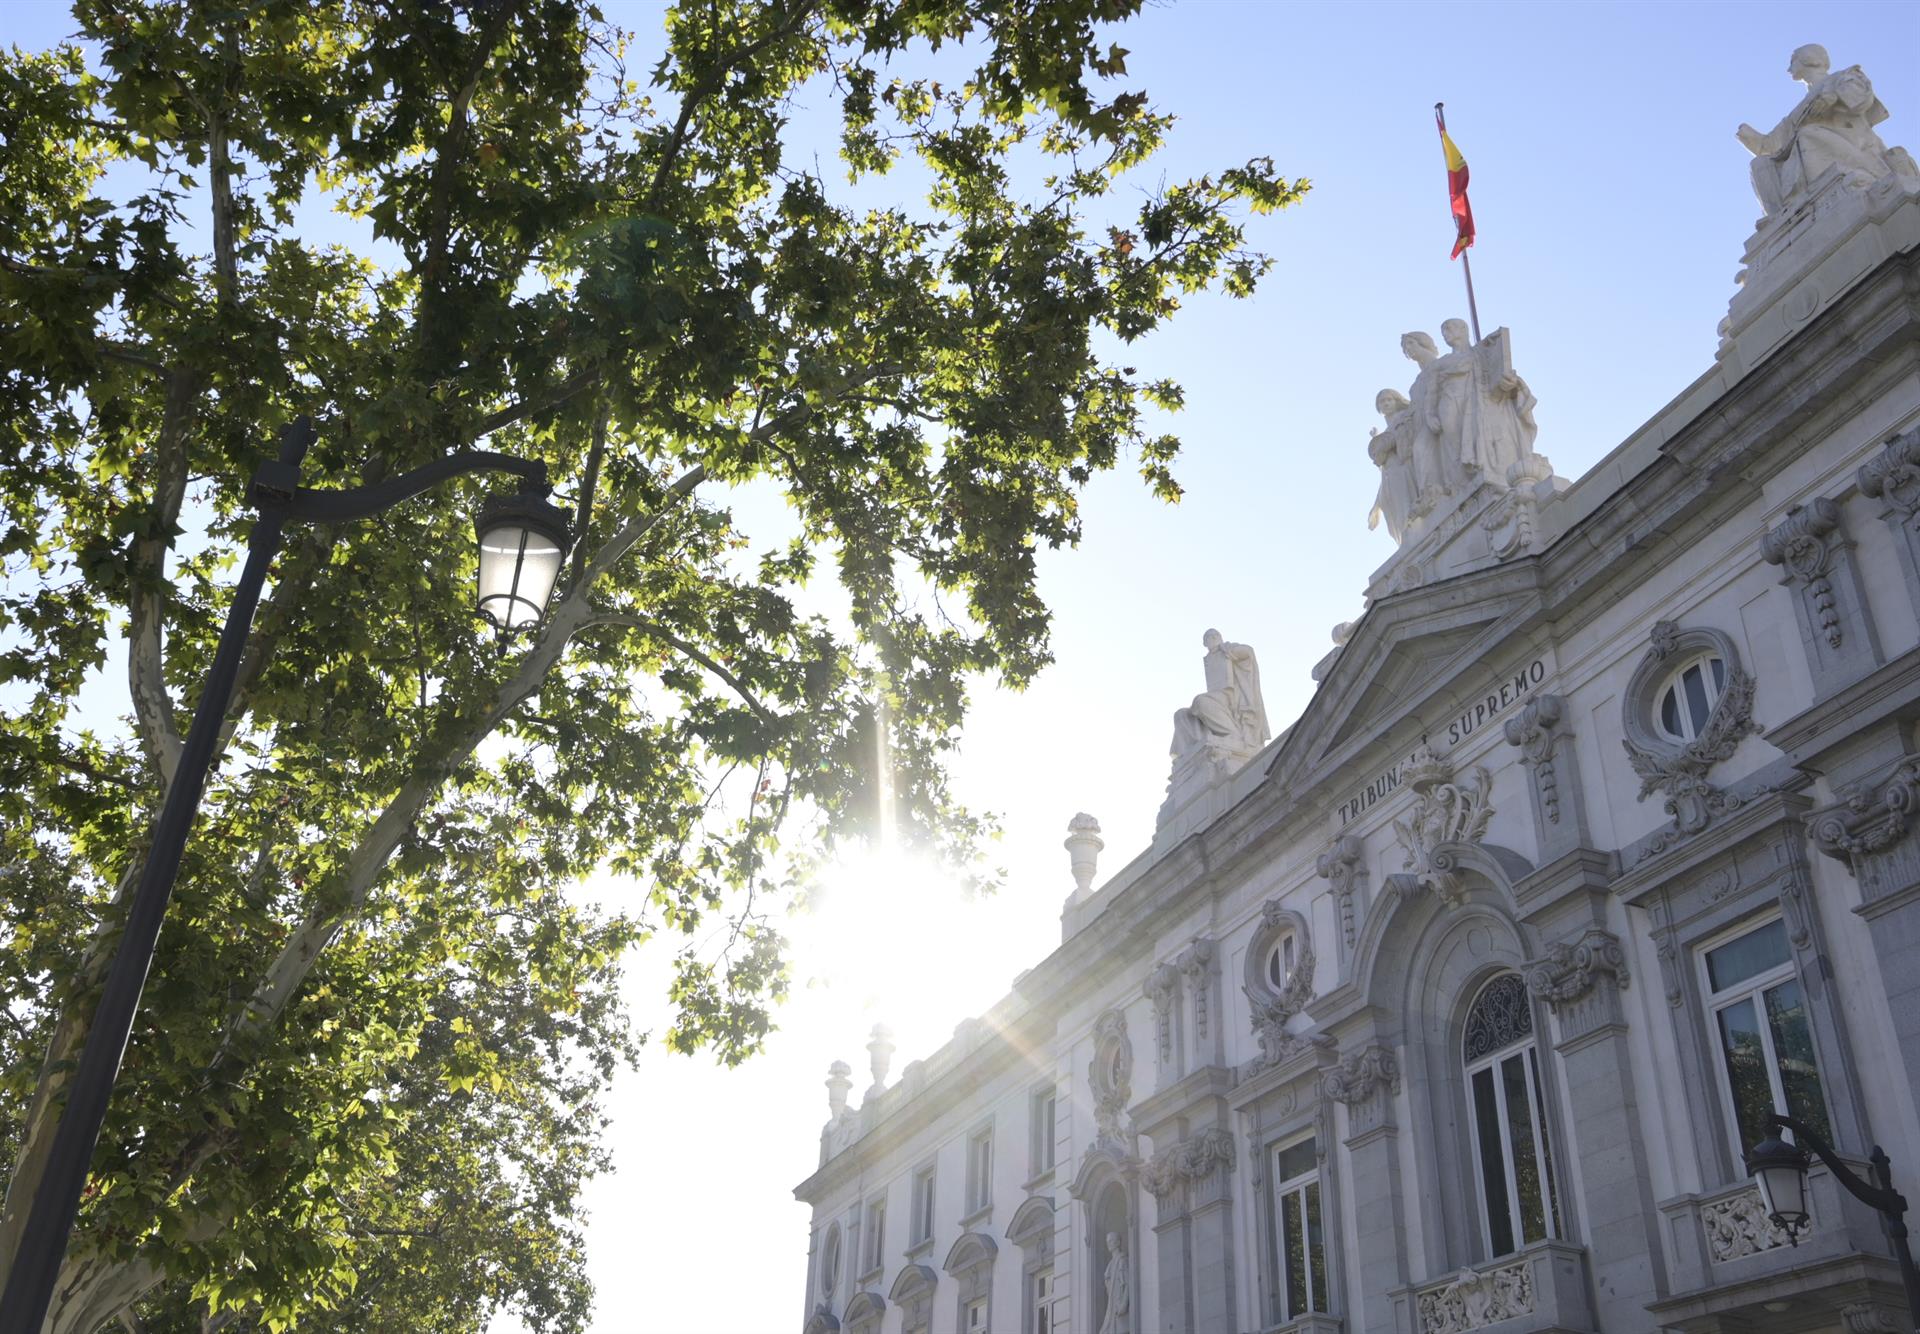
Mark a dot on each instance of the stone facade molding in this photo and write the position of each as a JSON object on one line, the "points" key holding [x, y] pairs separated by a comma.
{"points": [[1811, 546], [1737, 1226], [1111, 1078], [1196, 965], [1204, 1155], [1367, 1074], [1893, 477], [1162, 988]]}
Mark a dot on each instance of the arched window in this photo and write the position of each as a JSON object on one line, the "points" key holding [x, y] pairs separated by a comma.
{"points": [[1686, 701], [1510, 1141]]}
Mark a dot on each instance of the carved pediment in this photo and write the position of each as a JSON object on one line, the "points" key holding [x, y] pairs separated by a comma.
{"points": [[1404, 650]]}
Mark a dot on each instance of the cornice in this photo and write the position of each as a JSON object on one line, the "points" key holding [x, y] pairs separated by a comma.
{"points": [[1779, 812], [1892, 690]]}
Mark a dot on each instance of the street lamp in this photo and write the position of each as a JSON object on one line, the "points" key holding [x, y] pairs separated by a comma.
{"points": [[1779, 1171], [523, 540]]}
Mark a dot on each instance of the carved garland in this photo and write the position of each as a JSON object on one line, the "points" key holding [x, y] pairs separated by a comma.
{"points": [[1445, 811]]}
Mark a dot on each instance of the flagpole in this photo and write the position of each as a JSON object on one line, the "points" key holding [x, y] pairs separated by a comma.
{"points": [[1466, 266]]}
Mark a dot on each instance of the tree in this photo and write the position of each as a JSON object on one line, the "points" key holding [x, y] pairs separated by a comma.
{"points": [[377, 1025]]}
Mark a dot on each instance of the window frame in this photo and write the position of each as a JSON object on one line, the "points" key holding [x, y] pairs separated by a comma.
{"points": [[979, 1183], [1043, 1302], [1319, 1298], [921, 1207], [873, 1236], [1753, 988], [1673, 684], [1533, 1078], [1043, 1131]]}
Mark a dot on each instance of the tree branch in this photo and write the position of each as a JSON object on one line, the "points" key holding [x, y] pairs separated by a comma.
{"points": [[146, 676], [665, 636]]}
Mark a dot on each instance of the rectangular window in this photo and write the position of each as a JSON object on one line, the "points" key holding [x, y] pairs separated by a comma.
{"points": [[980, 1171], [1043, 1299], [1045, 1110], [977, 1316], [1297, 1249], [1760, 1024], [876, 1234], [922, 1205]]}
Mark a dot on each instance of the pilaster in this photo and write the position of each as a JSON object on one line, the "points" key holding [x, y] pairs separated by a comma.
{"points": [[1366, 1084]]}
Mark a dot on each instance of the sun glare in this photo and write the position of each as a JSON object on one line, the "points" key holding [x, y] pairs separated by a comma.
{"points": [[893, 938]]}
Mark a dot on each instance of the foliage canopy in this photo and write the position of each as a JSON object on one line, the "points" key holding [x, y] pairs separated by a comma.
{"points": [[363, 1088]]}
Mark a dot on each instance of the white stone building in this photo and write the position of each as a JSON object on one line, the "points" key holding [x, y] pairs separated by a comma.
{"points": [[1456, 1005]]}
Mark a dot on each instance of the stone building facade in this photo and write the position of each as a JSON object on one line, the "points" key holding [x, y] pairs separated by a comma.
{"points": [[1455, 1006]]}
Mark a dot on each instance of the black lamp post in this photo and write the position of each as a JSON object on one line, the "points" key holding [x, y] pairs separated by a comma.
{"points": [[522, 543], [1779, 1170]]}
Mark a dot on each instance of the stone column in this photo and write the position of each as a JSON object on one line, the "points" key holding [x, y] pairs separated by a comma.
{"points": [[1581, 980], [1366, 1083], [1870, 830]]}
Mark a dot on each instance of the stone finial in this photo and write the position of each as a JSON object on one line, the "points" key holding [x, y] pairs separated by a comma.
{"points": [[879, 1058], [1083, 845], [837, 1085]]}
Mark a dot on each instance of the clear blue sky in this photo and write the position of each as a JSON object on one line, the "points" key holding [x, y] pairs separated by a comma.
{"points": [[1612, 203]]}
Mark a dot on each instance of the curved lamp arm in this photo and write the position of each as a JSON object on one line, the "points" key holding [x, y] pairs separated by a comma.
{"points": [[1885, 1199], [277, 485]]}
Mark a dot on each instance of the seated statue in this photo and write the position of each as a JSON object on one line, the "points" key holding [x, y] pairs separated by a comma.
{"points": [[1831, 127], [1228, 721]]}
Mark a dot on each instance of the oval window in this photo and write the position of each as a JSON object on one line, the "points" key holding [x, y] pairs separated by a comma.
{"points": [[1280, 962], [1686, 703]]}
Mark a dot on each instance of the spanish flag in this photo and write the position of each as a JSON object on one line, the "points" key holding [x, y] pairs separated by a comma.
{"points": [[1456, 187]]}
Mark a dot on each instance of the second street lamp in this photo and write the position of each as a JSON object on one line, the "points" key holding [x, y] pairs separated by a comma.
{"points": [[528, 538]]}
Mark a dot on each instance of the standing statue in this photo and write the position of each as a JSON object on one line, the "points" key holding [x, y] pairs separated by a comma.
{"points": [[1468, 420], [1397, 501], [1424, 447], [1831, 127], [1229, 721], [1119, 1282], [1501, 428]]}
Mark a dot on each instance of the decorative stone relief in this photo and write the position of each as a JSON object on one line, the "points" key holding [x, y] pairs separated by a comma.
{"points": [[1163, 983], [1111, 1078], [1196, 965], [1866, 1318], [1477, 1298], [1224, 727], [1737, 1226], [1445, 811], [1867, 828], [1534, 732], [1811, 545], [1894, 477], [1804, 544], [1679, 770], [1344, 866]]}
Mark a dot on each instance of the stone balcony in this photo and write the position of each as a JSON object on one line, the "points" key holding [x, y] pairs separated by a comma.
{"points": [[1315, 1323], [1732, 1269], [1540, 1289]]}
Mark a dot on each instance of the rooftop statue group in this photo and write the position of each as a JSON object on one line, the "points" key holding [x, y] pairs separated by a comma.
{"points": [[1467, 420], [1831, 127]]}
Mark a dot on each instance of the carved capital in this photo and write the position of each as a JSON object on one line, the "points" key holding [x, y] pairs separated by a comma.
{"points": [[1570, 973], [1360, 1076], [1201, 1160], [1867, 827]]}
